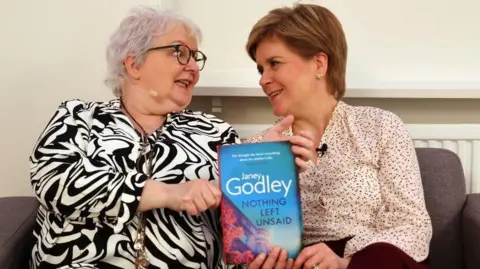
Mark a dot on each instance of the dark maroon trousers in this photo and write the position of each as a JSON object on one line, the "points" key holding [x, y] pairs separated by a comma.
{"points": [[377, 256]]}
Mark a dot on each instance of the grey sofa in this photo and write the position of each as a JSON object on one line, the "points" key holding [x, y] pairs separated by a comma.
{"points": [[455, 216]]}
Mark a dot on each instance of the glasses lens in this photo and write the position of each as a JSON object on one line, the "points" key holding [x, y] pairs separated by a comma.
{"points": [[200, 59], [183, 54]]}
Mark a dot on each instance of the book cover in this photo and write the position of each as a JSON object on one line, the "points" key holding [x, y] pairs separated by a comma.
{"points": [[261, 205]]}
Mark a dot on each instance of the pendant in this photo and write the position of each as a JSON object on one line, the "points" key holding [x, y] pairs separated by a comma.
{"points": [[142, 262]]}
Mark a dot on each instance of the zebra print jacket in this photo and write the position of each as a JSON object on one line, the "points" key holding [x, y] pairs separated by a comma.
{"points": [[86, 174]]}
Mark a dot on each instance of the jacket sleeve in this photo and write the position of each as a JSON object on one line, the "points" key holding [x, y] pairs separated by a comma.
{"points": [[79, 187], [403, 220]]}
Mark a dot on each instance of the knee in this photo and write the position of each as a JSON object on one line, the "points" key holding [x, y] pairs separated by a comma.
{"points": [[381, 254], [384, 249]]}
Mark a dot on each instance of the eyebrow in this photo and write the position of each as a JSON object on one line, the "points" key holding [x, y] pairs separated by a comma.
{"points": [[269, 59], [179, 42]]}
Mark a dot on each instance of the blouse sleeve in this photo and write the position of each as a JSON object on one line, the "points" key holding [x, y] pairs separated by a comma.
{"points": [[69, 182], [403, 220]]}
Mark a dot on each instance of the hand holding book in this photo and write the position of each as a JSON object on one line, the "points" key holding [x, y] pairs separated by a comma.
{"points": [[302, 145], [278, 258]]}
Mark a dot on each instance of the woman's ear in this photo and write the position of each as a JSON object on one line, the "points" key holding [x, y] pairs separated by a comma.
{"points": [[321, 59], [131, 67]]}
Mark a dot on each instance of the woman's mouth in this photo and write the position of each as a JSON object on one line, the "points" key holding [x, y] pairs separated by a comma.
{"points": [[275, 93], [183, 83]]}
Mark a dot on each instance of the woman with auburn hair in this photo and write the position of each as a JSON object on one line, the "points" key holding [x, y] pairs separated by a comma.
{"points": [[362, 196]]}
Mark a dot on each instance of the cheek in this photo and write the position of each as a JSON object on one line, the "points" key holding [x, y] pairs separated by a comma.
{"points": [[286, 77], [196, 78]]}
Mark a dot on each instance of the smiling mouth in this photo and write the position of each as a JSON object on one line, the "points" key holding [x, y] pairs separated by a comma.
{"points": [[275, 93], [182, 83]]}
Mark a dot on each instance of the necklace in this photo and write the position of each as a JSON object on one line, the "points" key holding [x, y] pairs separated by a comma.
{"points": [[141, 260]]}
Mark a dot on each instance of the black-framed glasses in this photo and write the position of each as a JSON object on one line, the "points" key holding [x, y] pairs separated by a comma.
{"points": [[184, 53]]}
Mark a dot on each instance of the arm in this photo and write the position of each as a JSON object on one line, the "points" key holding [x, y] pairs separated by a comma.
{"points": [[403, 220], [69, 182]]}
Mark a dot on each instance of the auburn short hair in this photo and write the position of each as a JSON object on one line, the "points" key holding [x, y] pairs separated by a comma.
{"points": [[306, 29]]}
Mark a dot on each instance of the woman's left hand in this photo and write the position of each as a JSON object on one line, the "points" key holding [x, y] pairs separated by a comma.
{"points": [[302, 144], [320, 256]]}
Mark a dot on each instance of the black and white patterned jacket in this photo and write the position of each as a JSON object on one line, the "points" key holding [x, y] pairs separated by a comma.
{"points": [[84, 171]]}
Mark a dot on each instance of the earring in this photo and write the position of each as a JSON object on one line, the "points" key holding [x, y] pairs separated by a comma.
{"points": [[319, 75]]}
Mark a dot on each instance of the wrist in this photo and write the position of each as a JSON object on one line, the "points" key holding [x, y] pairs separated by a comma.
{"points": [[162, 194], [154, 195]]}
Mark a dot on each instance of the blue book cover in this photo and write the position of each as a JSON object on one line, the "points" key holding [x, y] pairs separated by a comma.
{"points": [[261, 205]]}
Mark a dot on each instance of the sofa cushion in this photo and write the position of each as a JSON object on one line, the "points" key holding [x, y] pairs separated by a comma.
{"points": [[445, 194], [16, 230]]}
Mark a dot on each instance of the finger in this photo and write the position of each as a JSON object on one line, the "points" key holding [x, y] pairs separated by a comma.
{"points": [[216, 192], [200, 203], [271, 258], [289, 264], [208, 198], [307, 134], [319, 260], [304, 255], [302, 165], [191, 209], [257, 262], [303, 153], [283, 125], [282, 260], [302, 142]]}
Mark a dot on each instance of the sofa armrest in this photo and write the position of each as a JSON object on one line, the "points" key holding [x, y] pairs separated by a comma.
{"points": [[471, 231], [17, 218]]}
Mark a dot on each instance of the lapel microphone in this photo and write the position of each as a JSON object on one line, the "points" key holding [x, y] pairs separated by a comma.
{"points": [[323, 149]]}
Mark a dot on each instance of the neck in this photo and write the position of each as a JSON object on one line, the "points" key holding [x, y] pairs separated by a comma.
{"points": [[136, 108], [315, 117]]}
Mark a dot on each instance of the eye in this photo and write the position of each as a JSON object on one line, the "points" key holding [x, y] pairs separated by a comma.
{"points": [[273, 63], [178, 52]]}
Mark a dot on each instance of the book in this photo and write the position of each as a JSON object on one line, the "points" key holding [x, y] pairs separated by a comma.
{"points": [[261, 206]]}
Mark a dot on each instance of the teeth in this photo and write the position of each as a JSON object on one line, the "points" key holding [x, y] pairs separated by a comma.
{"points": [[183, 82], [275, 93]]}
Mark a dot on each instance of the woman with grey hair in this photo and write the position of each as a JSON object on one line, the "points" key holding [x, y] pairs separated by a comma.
{"points": [[132, 182]]}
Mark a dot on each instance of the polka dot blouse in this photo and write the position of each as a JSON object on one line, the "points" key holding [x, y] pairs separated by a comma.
{"points": [[367, 185]]}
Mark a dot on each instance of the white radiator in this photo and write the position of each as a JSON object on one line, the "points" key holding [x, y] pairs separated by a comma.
{"points": [[463, 139]]}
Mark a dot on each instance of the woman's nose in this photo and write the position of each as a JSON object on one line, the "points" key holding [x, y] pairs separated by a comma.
{"points": [[192, 65], [265, 79]]}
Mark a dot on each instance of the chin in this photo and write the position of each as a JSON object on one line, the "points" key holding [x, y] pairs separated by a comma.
{"points": [[182, 103], [279, 112]]}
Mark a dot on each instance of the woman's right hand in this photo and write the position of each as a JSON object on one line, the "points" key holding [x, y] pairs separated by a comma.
{"points": [[277, 259], [194, 196]]}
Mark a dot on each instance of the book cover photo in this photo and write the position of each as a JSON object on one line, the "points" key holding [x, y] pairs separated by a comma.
{"points": [[261, 206]]}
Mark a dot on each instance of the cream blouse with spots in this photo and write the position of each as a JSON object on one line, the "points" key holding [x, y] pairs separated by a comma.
{"points": [[367, 184]]}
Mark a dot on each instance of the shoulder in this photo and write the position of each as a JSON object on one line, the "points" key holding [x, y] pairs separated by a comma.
{"points": [[369, 118], [376, 122], [76, 106], [201, 117], [204, 123], [84, 113]]}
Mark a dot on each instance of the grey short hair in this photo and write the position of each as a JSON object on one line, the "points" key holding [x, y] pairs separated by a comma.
{"points": [[134, 36]]}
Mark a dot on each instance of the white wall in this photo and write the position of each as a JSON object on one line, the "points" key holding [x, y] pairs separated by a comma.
{"points": [[50, 50], [393, 45], [53, 50]]}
